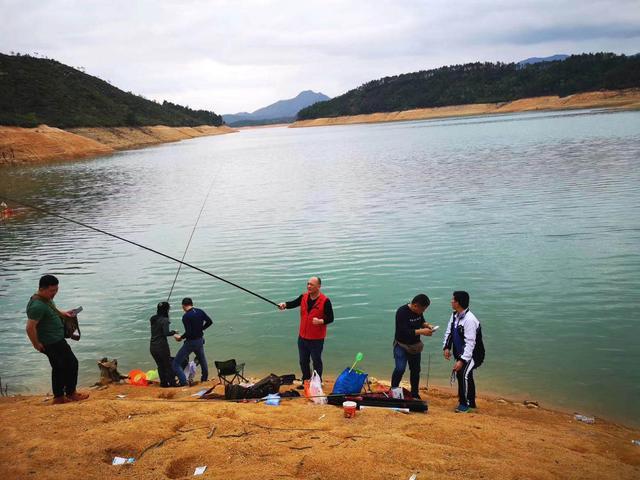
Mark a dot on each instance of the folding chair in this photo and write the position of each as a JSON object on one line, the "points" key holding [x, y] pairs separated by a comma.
{"points": [[229, 368]]}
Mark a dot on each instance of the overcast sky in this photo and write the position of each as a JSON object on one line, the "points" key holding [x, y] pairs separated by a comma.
{"points": [[240, 55]]}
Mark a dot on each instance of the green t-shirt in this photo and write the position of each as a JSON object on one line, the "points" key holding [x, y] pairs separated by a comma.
{"points": [[50, 327]]}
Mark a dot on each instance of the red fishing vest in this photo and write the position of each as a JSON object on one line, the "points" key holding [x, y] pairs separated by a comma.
{"points": [[308, 330]]}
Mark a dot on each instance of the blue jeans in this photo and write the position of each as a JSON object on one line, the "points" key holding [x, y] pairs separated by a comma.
{"points": [[189, 347], [401, 358]]}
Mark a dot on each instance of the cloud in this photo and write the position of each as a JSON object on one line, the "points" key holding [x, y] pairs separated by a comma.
{"points": [[231, 56]]}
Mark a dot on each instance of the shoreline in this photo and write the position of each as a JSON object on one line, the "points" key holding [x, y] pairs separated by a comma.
{"points": [[44, 144], [169, 433], [615, 100]]}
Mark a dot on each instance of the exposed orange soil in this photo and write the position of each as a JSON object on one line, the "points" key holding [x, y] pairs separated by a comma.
{"points": [[628, 99], [44, 144], [122, 138], [170, 433]]}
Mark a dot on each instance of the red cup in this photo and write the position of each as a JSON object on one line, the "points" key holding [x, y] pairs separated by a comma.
{"points": [[349, 409]]}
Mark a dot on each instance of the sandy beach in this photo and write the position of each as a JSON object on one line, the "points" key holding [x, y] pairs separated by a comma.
{"points": [[170, 433], [19, 146], [620, 99]]}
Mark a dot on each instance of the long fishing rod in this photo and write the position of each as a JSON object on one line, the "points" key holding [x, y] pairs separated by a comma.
{"points": [[191, 236], [217, 277]]}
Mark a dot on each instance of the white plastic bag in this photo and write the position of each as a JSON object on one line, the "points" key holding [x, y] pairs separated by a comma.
{"points": [[315, 390]]}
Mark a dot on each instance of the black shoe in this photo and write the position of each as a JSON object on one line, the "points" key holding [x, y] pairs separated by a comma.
{"points": [[416, 396]]}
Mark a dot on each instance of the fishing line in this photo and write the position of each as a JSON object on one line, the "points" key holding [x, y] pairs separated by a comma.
{"points": [[217, 277], [192, 232]]}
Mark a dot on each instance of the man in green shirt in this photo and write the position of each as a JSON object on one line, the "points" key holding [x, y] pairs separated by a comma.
{"points": [[45, 329]]}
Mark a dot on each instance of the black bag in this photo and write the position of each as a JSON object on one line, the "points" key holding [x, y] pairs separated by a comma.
{"points": [[266, 386]]}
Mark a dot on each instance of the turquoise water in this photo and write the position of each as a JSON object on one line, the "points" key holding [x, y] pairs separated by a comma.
{"points": [[536, 215]]}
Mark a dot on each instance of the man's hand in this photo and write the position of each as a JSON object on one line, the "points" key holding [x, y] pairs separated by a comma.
{"points": [[177, 337], [282, 306], [39, 347], [317, 321], [458, 366], [447, 353], [424, 331]]}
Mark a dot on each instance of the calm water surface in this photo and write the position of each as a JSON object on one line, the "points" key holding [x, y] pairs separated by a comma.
{"points": [[536, 215]]}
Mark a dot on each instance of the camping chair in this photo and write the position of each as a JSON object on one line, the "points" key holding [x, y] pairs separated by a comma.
{"points": [[229, 368]]}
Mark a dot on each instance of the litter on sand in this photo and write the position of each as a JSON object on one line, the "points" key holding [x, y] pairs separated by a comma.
{"points": [[585, 419], [122, 460], [413, 477], [121, 396], [636, 442], [200, 393], [200, 470]]}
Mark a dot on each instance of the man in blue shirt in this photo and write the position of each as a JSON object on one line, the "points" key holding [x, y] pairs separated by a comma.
{"points": [[195, 322]]}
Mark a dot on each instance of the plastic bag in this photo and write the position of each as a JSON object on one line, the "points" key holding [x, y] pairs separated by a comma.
{"points": [[190, 371], [349, 382], [315, 392]]}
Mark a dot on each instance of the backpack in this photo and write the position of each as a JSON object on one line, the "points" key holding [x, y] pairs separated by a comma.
{"points": [[268, 385]]}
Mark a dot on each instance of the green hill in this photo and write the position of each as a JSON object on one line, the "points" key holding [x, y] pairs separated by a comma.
{"points": [[483, 83], [36, 90]]}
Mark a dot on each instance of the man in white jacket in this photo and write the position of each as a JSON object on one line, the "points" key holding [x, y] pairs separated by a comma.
{"points": [[464, 338]]}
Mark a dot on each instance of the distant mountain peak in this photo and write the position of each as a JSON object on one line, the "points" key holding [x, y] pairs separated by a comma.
{"points": [[282, 111], [552, 58]]}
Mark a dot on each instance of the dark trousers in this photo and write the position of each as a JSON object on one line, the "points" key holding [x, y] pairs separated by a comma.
{"points": [[162, 355], [310, 349], [64, 368], [401, 358], [466, 385]]}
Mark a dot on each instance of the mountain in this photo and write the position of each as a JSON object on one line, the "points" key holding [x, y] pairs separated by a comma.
{"points": [[552, 58], [282, 111], [34, 91], [483, 83]]}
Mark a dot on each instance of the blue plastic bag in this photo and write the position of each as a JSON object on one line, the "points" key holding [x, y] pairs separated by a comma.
{"points": [[349, 382]]}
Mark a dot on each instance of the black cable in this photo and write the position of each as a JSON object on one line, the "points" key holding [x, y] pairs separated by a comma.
{"points": [[138, 245]]}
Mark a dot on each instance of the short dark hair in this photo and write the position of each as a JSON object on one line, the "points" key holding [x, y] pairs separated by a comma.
{"points": [[47, 281], [422, 300], [163, 309], [187, 301], [462, 298]]}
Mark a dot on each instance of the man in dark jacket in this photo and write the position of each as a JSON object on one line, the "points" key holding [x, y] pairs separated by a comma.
{"points": [[195, 322], [407, 346]]}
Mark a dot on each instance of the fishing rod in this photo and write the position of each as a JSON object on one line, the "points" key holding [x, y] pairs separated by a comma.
{"points": [[217, 277], [191, 236]]}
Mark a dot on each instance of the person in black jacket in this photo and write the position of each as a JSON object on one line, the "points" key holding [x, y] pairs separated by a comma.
{"points": [[159, 347], [407, 346]]}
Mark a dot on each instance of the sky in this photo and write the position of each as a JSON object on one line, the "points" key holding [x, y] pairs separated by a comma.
{"points": [[241, 55]]}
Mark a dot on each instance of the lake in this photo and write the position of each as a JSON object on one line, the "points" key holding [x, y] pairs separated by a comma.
{"points": [[536, 215]]}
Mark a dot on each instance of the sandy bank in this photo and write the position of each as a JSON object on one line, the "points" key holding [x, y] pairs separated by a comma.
{"points": [[123, 138], [629, 99], [169, 437], [44, 144]]}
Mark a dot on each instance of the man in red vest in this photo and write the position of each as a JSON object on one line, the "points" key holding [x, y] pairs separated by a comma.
{"points": [[315, 314]]}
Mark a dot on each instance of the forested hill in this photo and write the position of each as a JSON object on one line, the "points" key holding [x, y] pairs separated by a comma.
{"points": [[483, 83], [37, 90]]}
